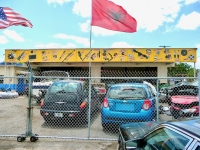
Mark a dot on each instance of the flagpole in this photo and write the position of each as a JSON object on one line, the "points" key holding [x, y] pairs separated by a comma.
{"points": [[89, 113], [90, 50]]}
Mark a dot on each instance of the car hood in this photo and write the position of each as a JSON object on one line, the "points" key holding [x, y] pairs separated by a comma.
{"points": [[137, 129], [184, 99]]}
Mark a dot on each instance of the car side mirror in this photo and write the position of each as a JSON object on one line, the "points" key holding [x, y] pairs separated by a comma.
{"points": [[133, 144]]}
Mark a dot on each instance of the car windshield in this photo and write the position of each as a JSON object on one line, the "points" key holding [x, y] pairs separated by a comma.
{"points": [[63, 87], [126, 92]]}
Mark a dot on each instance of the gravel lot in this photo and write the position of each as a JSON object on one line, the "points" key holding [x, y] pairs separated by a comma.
{"points": [[13, 118]]}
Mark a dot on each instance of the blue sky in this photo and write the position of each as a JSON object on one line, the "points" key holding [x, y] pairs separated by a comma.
{"points": [[66, 24]]}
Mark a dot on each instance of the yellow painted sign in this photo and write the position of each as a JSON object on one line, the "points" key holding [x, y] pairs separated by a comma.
{"points": [[102, 55]]}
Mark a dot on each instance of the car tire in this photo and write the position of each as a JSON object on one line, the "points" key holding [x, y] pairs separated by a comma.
{"points": [[105, 127], [84, 118], [175, 114]]}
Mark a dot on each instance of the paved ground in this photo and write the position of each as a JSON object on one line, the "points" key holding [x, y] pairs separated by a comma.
{"points": [[56, 144]]}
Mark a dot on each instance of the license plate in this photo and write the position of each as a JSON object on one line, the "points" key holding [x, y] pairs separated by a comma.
{"points": [[125, 107], [58, 115]]}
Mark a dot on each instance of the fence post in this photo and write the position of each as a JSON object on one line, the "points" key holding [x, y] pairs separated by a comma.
{"points": [[29, 108], [157, 100], [89, 112]]}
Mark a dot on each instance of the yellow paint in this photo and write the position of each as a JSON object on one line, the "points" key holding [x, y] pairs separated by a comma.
{"points": [[103, 55]]}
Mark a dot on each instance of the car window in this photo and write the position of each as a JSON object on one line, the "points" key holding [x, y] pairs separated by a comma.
{"points": [[127, 92], [198, 148], [165, 139], [151, 91], [63, 86]]}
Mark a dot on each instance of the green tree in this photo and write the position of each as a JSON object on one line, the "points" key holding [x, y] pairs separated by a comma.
{"points": [[181, 70]]}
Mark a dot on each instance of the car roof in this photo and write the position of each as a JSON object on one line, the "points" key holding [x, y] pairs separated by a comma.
{"points": [[73, 81], [126, 84], [191, 125]]}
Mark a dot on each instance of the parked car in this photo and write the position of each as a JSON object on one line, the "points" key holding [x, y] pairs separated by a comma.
{"points": [[161, 96], [40, 85], [68, 99], [163, 89], [39, 97], [100, 89], [128, 102], [183, 99], [172, 135]]}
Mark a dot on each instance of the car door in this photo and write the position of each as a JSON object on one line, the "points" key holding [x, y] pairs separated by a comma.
{"points": [[166, 139], [195, 147]]}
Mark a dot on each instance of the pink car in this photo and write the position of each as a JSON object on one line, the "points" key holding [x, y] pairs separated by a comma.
{"points": [[184, 101]]}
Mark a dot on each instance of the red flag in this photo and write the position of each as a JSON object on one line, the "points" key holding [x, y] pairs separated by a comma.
{"points": [[107, 14], [9, 17]]}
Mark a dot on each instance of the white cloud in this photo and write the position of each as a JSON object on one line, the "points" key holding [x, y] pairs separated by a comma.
{"points": [[3, 40], [123, 45], [82, 8], [55, 45], [188, 2], [85, 27], [13, 35], [198, 46], [58, 1], [80, 40], [149, 14], [190, 21]]}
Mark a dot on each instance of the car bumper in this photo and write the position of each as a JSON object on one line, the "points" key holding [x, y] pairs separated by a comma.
{"points": [[59, 115], [108, 116]]}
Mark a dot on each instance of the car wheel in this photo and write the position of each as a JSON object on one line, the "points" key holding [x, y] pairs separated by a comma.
{"points": [[105, 127], [175, 114], [84, 118]]}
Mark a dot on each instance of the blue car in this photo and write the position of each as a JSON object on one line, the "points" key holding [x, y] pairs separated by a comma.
{"points": [[128, 102]]}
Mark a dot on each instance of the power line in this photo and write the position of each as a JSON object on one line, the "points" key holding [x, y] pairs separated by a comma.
{"points": [[187, 38]]}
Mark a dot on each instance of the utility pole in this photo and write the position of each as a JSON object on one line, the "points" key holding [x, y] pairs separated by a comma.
{"points": [[164, 46]]}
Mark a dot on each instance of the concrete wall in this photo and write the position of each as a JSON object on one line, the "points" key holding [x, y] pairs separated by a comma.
{"points": [[162, 72], [11, 70]]}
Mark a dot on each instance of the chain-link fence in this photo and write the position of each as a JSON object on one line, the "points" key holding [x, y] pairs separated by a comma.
{"points": [[72, 105], [13, 107]]}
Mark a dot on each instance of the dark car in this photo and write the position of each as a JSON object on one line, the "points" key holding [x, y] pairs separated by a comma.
{"points": [[163, 91], [172, 135], [184, 99], [128, 102], [68, 99]]}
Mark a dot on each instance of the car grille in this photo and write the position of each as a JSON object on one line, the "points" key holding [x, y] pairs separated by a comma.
{"points": [[184, 106]]}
